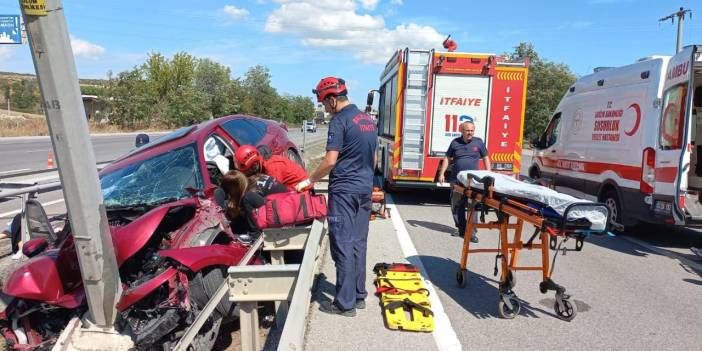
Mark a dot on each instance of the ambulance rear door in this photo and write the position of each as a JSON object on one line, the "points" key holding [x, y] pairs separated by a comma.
{"points": [[672, 157]]}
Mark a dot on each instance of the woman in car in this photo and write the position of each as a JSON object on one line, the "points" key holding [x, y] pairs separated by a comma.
{"points": [[245, 195]]}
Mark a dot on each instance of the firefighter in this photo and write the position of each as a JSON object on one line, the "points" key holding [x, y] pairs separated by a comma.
{"points": [[248, 159], [350, 162], [465, 152]]}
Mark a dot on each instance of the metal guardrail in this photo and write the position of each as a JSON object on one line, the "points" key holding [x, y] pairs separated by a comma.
{"points": [[248, 285], [20, 183]]}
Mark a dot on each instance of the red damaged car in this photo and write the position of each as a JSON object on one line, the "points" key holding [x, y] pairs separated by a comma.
{"points": [[172, 241]]}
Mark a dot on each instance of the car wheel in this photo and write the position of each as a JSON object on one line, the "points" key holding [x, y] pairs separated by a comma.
{"points": [[293, 155], [611, 200]]}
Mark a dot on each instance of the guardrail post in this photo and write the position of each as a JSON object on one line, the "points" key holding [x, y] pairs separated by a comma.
{"points": [[24, 224], [248, 317], [277, 241]]}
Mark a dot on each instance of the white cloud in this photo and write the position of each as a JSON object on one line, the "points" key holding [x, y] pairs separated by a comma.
{"points": [[396, 2], [234, 13], [86, 49], [6, 53], [369, 4], [335, 24]]}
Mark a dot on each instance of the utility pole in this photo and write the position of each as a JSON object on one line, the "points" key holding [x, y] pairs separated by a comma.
{"points": [[63, 106], [681, 16]]}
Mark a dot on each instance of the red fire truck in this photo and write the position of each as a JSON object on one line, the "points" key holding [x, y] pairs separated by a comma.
{"points": [[424, 97]]}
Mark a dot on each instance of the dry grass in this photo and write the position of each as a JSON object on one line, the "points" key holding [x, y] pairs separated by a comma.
{"points": [[35, 125]]}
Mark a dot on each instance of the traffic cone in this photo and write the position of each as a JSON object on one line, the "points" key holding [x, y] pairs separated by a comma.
{"points": [[50, 160]]}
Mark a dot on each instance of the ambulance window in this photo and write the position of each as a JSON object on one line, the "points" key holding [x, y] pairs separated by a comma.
{"points": [[673, 117], [552, 131]]}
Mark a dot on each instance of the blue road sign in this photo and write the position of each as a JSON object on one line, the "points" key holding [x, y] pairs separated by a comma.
{"points": [[10, 30]]}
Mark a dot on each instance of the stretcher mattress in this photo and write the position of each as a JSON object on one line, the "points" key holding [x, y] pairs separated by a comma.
{"points": [[508, 186]]}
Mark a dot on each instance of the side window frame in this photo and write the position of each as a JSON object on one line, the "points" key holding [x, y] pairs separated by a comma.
{"points": [[248, 127], [554, 127], [674, 139]]}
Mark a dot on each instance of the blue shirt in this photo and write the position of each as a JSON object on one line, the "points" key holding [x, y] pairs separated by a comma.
{"points": [[354, 134], [465, 154]]}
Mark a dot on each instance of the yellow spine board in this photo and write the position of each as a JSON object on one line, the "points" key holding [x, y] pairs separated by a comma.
{"points": [[405, 301]]}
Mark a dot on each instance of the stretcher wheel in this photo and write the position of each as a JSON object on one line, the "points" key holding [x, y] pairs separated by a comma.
{"points": [[552, 241], [568, 313], [511, 279], [461, 277], [579, 244], [504, 311]]}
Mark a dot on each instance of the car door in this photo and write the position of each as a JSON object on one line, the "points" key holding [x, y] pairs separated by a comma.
{"points": [[671, 154]]}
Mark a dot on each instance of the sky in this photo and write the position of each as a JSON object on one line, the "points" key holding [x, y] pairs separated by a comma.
{"points": [[303, 41]]}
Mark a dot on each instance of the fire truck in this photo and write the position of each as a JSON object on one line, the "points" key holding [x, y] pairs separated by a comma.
{"points": [[425, 95]]}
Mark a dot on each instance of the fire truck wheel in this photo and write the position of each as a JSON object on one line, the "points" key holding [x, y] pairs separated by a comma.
{"points": [[579, 244], [508, 313], [611, 199], [461, 277], [568, 312]]}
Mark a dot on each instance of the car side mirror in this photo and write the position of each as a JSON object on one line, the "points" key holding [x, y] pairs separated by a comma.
{"points": [[369, 101], [534, 140], [34, 247], [141, 139]]}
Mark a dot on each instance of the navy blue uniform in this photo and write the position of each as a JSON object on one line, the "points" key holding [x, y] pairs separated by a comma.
{"points": [[353, 134], [466, 156]]}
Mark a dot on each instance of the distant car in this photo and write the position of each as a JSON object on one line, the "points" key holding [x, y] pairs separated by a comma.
{"points": [[309, 126]]}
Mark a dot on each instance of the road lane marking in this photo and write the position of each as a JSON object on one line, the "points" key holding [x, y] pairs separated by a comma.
{"points": [[664, 252], [45, 204], [444, 335]]}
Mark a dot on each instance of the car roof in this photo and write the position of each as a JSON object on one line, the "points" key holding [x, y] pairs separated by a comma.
{"points": [[178, 138]]}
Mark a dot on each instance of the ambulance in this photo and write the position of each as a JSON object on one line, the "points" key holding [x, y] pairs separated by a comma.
{"points": [[632, 137], [425, 95]]}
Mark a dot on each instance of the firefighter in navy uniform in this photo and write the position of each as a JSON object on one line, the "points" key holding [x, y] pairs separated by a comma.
{"points": [[465, 152], [350, 163]]}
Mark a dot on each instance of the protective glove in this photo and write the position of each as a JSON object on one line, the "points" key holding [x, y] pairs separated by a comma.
{"points": [[303, 185]]}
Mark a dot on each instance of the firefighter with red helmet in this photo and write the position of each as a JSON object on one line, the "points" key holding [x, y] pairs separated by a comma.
{"points": [[350, 163], [249, 161]]}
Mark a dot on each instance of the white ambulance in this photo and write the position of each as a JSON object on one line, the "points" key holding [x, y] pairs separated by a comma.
{"points": [[629, 136]]}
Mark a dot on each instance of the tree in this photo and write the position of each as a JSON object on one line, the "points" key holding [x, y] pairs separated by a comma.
{"points": [[24, 96], [548, 81], [263, 97], [213, 80]]}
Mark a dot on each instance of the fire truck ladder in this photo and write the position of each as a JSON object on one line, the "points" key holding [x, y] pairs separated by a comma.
{"points": [[418, 62]]}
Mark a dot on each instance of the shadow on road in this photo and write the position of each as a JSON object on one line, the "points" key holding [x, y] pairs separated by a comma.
{"points": [[432, 226], [424, 197], [480, 295]]}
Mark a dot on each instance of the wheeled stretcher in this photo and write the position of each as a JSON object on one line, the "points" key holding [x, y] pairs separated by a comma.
{"points": [[553, 215]]}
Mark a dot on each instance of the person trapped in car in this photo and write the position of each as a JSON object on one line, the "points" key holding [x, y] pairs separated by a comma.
{"points": [[465, 152], [350, 163]]}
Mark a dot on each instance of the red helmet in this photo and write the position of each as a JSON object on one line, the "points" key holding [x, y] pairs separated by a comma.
{"points": [[329, 86], [246, 157]]}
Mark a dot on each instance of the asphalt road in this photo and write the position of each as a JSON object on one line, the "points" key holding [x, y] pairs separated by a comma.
{"points": [[630, 297]]}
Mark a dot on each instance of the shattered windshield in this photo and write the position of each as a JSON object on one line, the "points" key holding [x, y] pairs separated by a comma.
{"points": [[160, 179]]}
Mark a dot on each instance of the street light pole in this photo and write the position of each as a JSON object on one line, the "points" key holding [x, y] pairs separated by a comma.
{"points": [[681, 16], [65, 114]]}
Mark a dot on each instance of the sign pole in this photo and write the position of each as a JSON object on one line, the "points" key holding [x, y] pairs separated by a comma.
{"points": [[63, 106]]}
